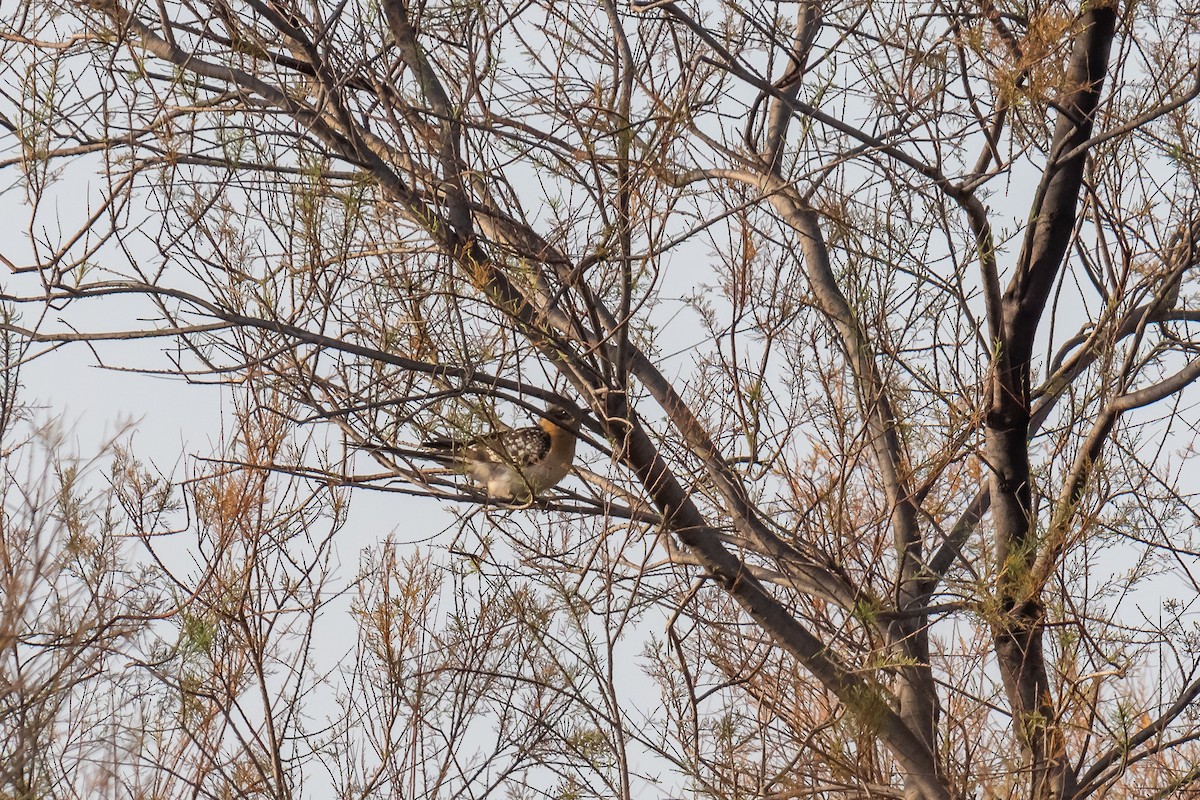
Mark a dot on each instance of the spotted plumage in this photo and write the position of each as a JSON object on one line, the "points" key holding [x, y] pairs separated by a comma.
{"points": [[516, 464]]}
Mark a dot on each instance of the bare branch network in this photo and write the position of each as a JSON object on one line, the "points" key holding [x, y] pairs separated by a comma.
{"points": [[871, 331]]}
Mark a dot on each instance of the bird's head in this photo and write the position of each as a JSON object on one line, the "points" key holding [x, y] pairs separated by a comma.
{"points": [[558, 417]]}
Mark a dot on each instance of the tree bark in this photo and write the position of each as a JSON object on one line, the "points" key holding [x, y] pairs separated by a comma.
{"points": [[1019, 624]]}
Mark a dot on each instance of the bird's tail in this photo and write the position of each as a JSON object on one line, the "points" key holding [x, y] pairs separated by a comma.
{"points": [[441, 455], [441, 444]]}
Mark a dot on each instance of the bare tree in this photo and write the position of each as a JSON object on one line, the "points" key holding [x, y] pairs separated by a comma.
{"points": [[878, 318]]}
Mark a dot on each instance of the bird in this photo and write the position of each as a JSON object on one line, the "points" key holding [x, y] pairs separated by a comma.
{"points": [[515, 465]]}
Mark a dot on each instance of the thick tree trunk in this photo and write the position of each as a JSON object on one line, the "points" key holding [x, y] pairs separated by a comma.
{"points": [[1019, 622]]}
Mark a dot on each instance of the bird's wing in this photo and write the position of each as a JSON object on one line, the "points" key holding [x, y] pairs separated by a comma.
{"points": [[520, 448]]}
